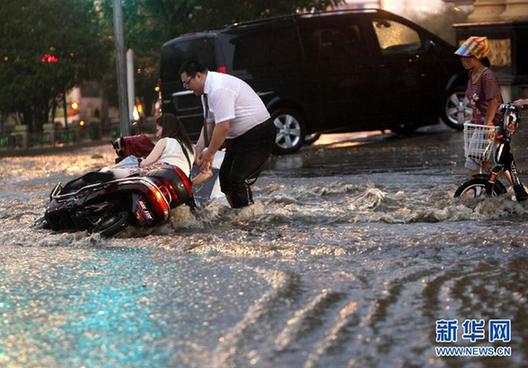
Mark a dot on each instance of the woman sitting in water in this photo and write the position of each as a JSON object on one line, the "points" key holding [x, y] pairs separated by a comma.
{"points": [[174, 148]]}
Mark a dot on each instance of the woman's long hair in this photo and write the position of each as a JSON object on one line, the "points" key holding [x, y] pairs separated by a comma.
{"points": [[173, 128], [485, 61]]}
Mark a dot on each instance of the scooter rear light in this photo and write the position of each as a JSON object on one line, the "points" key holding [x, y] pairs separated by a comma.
{"points": [[166, 193], [160, 199], [185, 180], [222, 69], [161, 203]]}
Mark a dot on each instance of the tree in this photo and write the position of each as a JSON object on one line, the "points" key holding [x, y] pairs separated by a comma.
{"points": [[79, 34], [150, 23], [67, 31]]}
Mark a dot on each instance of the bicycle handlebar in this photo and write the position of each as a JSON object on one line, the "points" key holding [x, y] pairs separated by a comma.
{"points": [[511, 119], [509, 107]]}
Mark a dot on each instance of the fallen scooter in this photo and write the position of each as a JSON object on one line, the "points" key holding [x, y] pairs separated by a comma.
{"points": [[98, 203]]}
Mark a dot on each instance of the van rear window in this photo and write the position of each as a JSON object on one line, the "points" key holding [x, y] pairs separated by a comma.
{"points": [[265, 47], [173, 56]]}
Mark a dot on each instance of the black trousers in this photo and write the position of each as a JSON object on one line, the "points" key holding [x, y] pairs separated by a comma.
{"points": [[244, 158]]}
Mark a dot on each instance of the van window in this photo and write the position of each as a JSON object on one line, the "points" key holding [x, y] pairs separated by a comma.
{"points": [[396, 38], [265, 47], [332, 43], [173, 56]]}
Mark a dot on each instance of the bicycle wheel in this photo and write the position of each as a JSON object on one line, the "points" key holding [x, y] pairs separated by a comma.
{"points": [[476, 187]]}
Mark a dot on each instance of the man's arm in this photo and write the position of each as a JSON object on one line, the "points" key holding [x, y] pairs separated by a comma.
{"points": [[217, 140], [199, 148], [200, 144]]}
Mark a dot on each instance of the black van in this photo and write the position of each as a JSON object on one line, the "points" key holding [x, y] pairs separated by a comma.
{"points": [[326, 72]]}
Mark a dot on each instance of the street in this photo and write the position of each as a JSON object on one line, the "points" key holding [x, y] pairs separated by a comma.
{"points": [[354, 249]]}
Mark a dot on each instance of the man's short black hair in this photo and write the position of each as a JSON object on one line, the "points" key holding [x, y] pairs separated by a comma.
{"points": [[191, 67]]}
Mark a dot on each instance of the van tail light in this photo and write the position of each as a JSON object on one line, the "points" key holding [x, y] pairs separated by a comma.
{"points": [[222, 69]]}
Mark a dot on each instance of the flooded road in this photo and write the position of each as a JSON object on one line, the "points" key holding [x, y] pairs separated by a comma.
{"points": [[353, 251]]}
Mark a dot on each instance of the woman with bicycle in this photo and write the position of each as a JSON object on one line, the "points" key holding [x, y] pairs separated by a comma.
{"points": [[483, 91]]}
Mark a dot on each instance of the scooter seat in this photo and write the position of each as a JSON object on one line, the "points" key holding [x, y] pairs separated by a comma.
{"points": [[87, 179]]}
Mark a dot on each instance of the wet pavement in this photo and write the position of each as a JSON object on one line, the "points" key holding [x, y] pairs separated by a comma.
{"points": [[353, 251]]}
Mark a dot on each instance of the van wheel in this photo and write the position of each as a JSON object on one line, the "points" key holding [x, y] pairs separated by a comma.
{"points": [[290, 131], [456, 109]]}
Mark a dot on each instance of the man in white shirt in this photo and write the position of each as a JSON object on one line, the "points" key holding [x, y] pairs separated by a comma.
{"points": [[241, 121]]}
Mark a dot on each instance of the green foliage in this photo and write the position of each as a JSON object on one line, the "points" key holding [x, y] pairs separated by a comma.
{"points": [[80, 34], [150, 23], [66, 29]]}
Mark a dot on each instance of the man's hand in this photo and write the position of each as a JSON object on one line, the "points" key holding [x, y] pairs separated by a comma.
{"points": [[197, 158], [205, 160], [199, 148]]}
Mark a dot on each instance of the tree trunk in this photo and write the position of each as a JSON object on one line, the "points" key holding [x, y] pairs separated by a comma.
{"points": [[53, 110]]}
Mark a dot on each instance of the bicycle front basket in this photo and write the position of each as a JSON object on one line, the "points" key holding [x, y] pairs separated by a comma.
{"points": [[478, 141]]}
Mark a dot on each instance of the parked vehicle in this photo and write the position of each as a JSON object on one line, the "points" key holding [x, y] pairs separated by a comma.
{"points": [[95, 202], [326, 72]]}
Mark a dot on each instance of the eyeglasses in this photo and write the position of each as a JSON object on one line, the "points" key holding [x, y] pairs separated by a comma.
{"points": [[186, 83]]}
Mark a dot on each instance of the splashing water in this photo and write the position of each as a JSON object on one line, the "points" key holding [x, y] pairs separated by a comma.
{"points": [[337, 270]]}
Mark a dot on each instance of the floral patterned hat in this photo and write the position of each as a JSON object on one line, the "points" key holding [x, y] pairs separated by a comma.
{"points": [[474, 46]]}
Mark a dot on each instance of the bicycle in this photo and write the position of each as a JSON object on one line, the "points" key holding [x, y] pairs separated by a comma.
{"points": [[480, 143]]}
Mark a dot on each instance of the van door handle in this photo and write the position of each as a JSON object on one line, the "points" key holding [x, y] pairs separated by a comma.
{"points": [[182, 93]]}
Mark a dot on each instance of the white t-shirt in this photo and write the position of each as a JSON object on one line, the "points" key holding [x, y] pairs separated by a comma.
{"points": [[232, 99], [173, 155]]}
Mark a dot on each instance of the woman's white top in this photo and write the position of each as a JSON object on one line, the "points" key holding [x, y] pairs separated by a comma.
{"points": [[173, 155]]}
